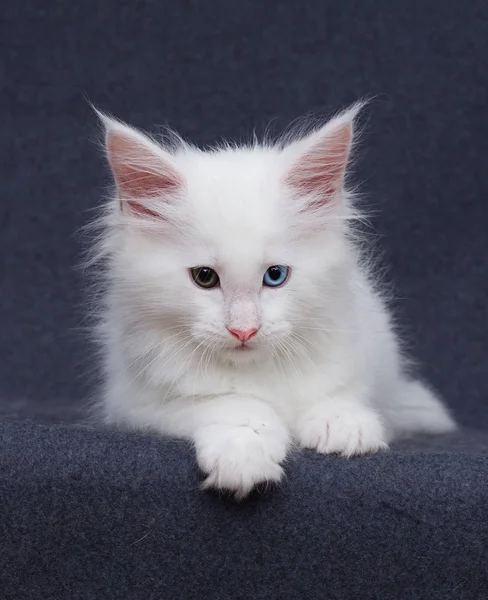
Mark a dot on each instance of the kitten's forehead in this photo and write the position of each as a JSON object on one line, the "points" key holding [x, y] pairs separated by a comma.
{"points": [[237, 206], [237, 255], [235, 190]]}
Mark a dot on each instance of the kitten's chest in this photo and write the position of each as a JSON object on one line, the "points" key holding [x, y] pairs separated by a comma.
{"points": [[279, 390]]}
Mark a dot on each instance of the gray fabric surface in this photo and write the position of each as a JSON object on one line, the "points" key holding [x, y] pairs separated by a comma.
{"points": [[89, 513], [92, 514]]}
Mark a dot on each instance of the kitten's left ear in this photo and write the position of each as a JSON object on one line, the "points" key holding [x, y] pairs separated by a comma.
{"points": [[318, 162]]}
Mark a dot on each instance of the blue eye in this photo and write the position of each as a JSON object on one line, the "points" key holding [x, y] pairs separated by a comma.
{"points": [[275, 276]]}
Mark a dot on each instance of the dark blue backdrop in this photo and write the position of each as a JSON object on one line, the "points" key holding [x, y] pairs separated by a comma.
{"points": [[213, 69]]}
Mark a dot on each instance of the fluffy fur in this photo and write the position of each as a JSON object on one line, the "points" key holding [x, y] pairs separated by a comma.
{"points": [[324, 370]]}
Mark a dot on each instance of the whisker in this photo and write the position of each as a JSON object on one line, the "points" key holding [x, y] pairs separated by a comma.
{"points": [[188, 360], [151, 362]]}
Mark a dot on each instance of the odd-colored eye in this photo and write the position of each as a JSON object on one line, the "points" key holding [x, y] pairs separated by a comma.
{"points": [[205, 277], [276, 276]]}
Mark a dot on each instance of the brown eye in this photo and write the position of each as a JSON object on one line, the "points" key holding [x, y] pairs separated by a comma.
{"points": [[205, 277]]}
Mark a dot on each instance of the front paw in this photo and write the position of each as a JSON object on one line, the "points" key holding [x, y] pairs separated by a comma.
{"points": [[344, 428], [237, 458]]}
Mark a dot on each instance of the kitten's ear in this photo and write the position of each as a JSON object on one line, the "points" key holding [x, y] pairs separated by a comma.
{"points": [[143, 170], [318, 162]]}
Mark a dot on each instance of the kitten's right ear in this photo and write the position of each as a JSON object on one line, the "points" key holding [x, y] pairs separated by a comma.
{"points": [[143, 170]]}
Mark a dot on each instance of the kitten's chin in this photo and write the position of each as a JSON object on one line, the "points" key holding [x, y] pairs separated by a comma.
{"points": [[242, 354]]}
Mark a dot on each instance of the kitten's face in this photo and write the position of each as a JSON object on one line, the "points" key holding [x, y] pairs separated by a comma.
{"points": [[237, 281], [261, 306], [234, 263]]}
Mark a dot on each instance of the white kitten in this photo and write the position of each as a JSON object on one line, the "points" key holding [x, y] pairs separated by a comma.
{"points": [[238, 313]]}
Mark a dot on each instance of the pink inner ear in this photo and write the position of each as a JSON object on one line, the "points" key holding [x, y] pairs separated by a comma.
{"points": [[321, 169], [139, 172]]}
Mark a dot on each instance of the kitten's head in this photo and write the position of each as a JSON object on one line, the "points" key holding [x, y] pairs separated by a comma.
{"points": [[233, 253]]}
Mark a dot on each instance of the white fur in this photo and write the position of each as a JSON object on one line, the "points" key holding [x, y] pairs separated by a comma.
{"points": [[324, 371]]}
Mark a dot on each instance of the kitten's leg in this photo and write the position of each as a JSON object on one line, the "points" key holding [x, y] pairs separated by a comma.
{"points": [[239, 443], [341, 424]]}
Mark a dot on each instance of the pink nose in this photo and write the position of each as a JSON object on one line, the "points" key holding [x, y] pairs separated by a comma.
{"points": [[243, 335]]}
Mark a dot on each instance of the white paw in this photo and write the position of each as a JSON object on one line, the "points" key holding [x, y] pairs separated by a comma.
{"points": [[237, 458], [341, 428]]}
